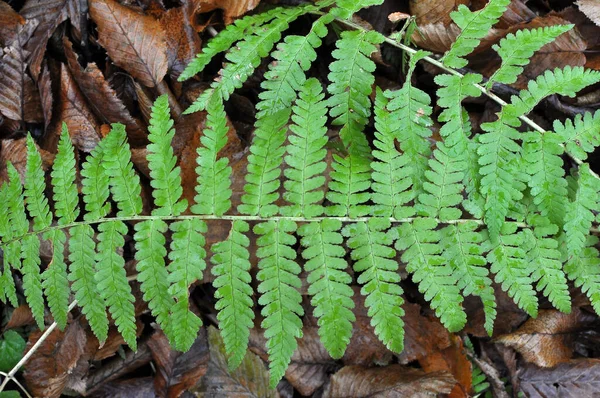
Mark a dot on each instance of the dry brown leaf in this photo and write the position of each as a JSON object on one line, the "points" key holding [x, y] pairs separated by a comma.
{"points": [[390, 381], [74, 110], [46, 95], [435, 37], [103, 98], [10, 22], [134, 42], [453, 360], [422, 335], [591, 8], [576, 378], [434, 11], [231, 8], [14, 151], [548, 339], [48, 370], [183, 42], [175, 371], [140, 387], [21, 316]]}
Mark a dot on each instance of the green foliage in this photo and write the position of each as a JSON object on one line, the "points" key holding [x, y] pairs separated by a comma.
{"points": [[345, 8], [581, 134], [12, 347], [55, 282], [35, 185], [65, 197]]}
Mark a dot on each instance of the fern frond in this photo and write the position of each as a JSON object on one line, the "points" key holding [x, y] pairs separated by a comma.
{"points": [[95, 185], [186, 267], [306, 153], [351, 76], [350, 181], [54, 279], [373, 256], [19, 225], [579, 215], [580, 135], [10, 251], [517, 49], [346, 8], [234, 292], [165, 176], [82, 252], [584, 270], [65, 197], [391, 170], [542, 156], [225, 39], [35, 185], [262, 180], [474, 26], [463, 249], [286, 74], [213, 189], [246, 56], [328, 283], [411, 107], [508, 258], [280, 298], [111, 279], [124, 181], [545, 259], [420, 242], [150, 246], [32, 279]]}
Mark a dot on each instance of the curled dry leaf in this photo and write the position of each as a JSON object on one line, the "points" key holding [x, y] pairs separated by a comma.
{"points": [[250, 379], [389, 381], [231, 8], [548, 339], [576, 378], [434, 11], [103, 98], [591, 8], [134, 42]]}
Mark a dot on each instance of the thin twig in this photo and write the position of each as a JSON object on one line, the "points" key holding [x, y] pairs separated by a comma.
{"points": [[17, 383]]}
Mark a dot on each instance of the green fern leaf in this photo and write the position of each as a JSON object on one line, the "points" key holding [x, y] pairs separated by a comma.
{"points": [[346, 8], [329, 283], [508, 257], [420, 242], [542, 155], [391, 170], [150, 246], [111, 279], [95, 185], [474, 26], [350, 181], [213, 190], [306, 153], [584, 270], [374, 258], [124, 181], [165, 176], [66, 199], [32, 279], [19, 225], [411, 107], [234, 292], [186, 267], [463, 249], [517, 49], [10, 251], [35, 185], [82, 252], [54, 279], [579, 215], [286, 74], [581, 135], [545, 259], [280, 298], [262, 180]]}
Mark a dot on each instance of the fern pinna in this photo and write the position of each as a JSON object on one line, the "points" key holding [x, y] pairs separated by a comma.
{"points": [[461, 213]]}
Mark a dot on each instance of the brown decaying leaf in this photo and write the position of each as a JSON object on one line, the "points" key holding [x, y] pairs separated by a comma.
{"points": [[231, 8], [591, 8], [48, 370], [453, 360], [435, 37], [576, 378], [250, 379], [49, 14], [548, 339], [103, 98], [75, 112], [10, 22], [141, 387], [14, 151], [46, 95], [175, 371], [390, 381], [21, 316], [434, 11], [134, 42]]}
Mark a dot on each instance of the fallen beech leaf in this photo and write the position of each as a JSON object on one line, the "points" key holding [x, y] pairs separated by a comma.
{"points": [[133, 41], [176, 371], [591, 8], [388, 381], [435, 37], [434, 11], [14, 151], [46, 96], [21, 316], [183, 42], [103, 98], [231, 8], [48, 370], [75, 112], [10, 22], [576, 378], [140, 387], [548, 339], [453, 360], [250, 379]]}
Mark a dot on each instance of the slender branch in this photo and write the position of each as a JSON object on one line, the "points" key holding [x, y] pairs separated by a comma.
{"points": [[7, 377]]}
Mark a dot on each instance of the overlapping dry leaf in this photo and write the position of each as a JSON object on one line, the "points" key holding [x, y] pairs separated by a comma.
{"points": [[422, 335], [10, 23], [576, 378], [231, 8], [591, 8], [183, 42], [434, 11]]}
